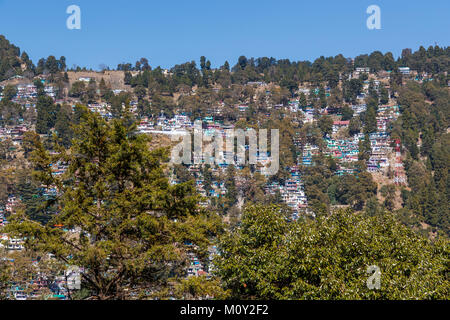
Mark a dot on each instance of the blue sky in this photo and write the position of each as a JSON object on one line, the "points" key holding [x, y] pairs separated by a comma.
{"points": [[171, 31]]}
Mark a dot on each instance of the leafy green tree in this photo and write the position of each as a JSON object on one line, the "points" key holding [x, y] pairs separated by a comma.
{"points": [[118, 102], [354, 190], [363, 76], [376, 61], [230, 185], [62, 63], [198, 288], [226, 66], [373, 207], [91, 93], [29, 140], [266, 257], [39, 87], [104, 89], [10, 63]]}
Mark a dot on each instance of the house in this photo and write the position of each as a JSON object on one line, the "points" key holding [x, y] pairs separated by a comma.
{"points": [[362, 70], [404, 70], [337, 125]]}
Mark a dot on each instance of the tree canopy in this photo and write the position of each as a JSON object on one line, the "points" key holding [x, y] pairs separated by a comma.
{"points": [[267, 257], [118, 217]]}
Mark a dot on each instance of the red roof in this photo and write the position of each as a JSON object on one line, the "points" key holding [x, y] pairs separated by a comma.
{"points": [[341, 123]]}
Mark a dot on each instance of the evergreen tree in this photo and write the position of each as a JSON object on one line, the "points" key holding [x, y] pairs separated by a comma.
{"points": [[63, 124], [46, 114]]}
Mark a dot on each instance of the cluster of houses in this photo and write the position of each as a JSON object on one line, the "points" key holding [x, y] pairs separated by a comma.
{"points": [[196, 266], [337, 125], [41, 285], [100, 108], [10, 243], [7, 242], [359, 108], [210, 190], [29, 92], [309, 151], [380, 144], [178, 122], [380, 141], [347, 150], [11, 203], [26, 91], [165, 125], [308, 114], [343, 150]]}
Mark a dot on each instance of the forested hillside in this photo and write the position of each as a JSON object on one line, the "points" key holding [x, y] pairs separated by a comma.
{"points": [[12, 61], [87, 179]]}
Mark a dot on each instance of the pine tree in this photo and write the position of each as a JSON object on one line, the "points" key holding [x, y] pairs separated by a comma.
{"points": [[63, 124], [46, 114], [129, 229]]}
